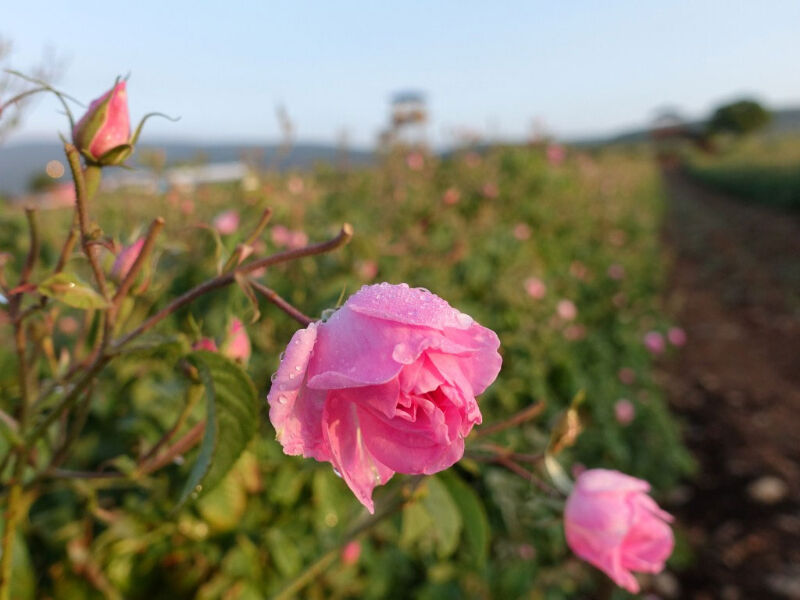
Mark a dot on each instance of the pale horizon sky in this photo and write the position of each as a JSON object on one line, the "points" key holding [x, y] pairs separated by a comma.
{"points": [[580, 68]]}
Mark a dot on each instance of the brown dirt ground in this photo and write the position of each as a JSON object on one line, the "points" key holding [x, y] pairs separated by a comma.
{"points": [[735, 289]]}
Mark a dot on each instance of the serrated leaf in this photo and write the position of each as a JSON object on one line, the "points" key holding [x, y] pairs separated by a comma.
{"points": [[69, 289], [473, 517], [231, 420]]}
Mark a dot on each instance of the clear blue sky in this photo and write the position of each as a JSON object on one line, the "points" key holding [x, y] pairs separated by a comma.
{"points": [[580, 67]]}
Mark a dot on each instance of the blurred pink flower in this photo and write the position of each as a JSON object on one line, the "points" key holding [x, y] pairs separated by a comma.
{"points": [[654, 342], [68, 325], [626, 375], [63, 194], [616, 271], [619, 299], [617, 237], [490, 190], [535, 287], [226, 222], [556, 154], [367, 269], [522, 231], [451, 196], [526, 551], [566, 309], [125, 259], [237, 342], [351, 553], [387, 384], [676, 336], [297, 239], [205, 344], [187, 206], [624, 411], [415, 161], [106, 124], [472, 159], [280, 236], [611, 523], [295, 185]]}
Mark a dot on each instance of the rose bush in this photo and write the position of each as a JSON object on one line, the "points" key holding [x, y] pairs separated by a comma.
{"points": [[387, 384], [612, 523]]}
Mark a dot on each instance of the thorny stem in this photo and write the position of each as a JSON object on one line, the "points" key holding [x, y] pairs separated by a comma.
{"points": [[395, 502], [33, 251], [531, 412], [227, 278], [82, 202], [273, 297]]}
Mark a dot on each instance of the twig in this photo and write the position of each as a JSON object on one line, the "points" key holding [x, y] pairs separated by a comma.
{"points": [[185, 443], [137, 265], [531, 412], [227, 278], [273, 297]]}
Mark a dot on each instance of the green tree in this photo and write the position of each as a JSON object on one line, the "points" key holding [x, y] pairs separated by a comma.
{"points": [[739, 118]]}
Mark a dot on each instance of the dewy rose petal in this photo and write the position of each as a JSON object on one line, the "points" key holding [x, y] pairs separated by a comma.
{"points": [[387, 384], [612, 523]]}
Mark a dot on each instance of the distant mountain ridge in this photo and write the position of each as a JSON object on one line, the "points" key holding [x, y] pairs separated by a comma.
{"points": [[20, 161]]}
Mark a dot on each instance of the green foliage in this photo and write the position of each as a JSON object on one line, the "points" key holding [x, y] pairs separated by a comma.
{"points": [[474, 531], [739, 118]]}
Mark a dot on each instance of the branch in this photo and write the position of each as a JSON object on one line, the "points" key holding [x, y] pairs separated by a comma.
{"points": [[531, 412], [273, 297]]}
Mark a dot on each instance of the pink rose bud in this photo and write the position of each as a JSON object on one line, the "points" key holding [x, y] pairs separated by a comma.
{"points": [[676, 336], [105, 126], [624, 411], [387, 384], [566, 310], [125, 259], [490, 190], [626, 375], [522, 231], [611, 523], [237, 342], [535, 288], [280, 236], [654, 342], [351, 553], [226, 222], [205, 344], [451, 196], [616, 271], [368, 269]]}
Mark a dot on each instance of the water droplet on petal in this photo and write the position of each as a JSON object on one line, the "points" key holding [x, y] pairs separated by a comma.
{"points": [[282, 399], [336, 472]]}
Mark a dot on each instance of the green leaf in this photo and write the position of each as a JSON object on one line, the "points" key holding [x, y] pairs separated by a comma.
{"points": [[473, 517], [231, 420], [70, 290], [434, 521], [284, 553]]}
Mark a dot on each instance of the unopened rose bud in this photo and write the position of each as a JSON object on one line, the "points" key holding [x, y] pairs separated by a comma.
{"points": [[351, 552], [237, 343], [205, 344], [103, 134], [125, 259]]}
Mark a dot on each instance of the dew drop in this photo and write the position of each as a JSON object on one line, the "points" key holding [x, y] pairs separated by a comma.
{"points": [[336, 472], [297, 368], [282, 399]]}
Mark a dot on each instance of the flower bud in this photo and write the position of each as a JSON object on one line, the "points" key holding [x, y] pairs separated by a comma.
{"points": [[237, 342], [103, 134], [125, 259]]}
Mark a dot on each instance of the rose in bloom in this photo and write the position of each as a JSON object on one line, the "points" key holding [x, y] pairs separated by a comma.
{"points": [[451, 196], [106, 126], [522, 231], [566, 309], [226, 222], [387, 384], [654, 342], [125, 259], [612, 523], [676, 336]]}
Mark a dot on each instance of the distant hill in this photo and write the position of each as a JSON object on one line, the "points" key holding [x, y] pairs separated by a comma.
{"points": [[19, 162]]}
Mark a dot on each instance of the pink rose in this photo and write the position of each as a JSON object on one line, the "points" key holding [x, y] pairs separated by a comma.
{"points": [[387, 384], [237, 342], [654, 342], [624, 411], [125, 259], [451, 196], [556, 154], [205, 344], [351, 553], [616, 271], [676, 336], [612, 523], [280, 236], [297, 239], [522, 231], [415, 161], [535, 287], [106, 125], [567, 310], [490, 190], [226, 222]]}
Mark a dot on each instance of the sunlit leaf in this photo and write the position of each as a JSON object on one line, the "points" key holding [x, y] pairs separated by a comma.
{"points": [[69, 289]]}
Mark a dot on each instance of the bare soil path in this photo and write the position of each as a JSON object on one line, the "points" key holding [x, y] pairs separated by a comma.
{"points": [[735, 288]]}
